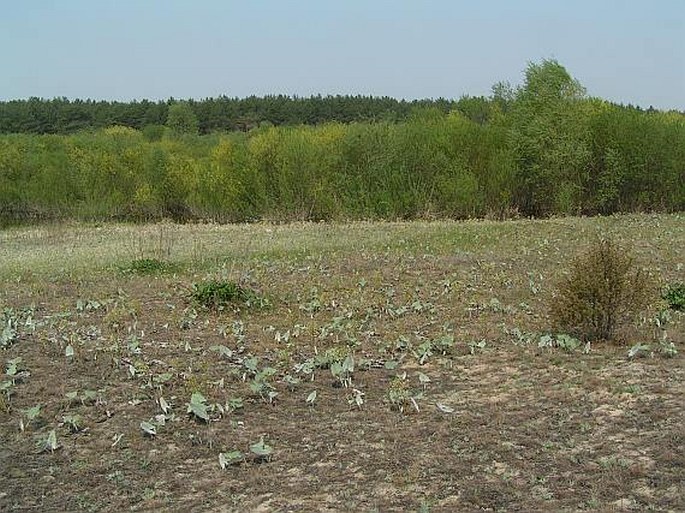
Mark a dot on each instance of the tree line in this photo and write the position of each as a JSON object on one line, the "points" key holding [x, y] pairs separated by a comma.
{"points": [[64, 116], [544, 148]]}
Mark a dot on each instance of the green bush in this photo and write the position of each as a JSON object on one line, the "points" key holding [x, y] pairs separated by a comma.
{"points": [[603, 292], [219, 294], [675, 296]]}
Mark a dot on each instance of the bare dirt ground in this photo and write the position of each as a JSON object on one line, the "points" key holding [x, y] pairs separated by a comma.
{"points": [[452, 403]]}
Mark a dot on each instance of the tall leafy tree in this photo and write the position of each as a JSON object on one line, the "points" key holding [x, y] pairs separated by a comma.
{"points": [[181, 119], [550, 138]]}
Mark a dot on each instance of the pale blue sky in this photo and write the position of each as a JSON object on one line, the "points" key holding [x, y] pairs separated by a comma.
{"points": [[630, 51]]}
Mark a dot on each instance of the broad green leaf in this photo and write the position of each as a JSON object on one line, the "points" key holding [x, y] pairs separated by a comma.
{"points": [[336, 369], [261, 449], [198, 406], [348, 364], [257, 386], [7, 336], [251, 364], [13, 366], [49, 443], [230, 458], [52, 443], [638, 349], [149, 428], [267, 372], [197, 397], [69, 351], [222, 350], [89, 395]]}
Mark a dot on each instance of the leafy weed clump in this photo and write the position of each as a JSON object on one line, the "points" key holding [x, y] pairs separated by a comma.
{"points": [[675, 296], [220, 294], [147, 266], [603, 291]]}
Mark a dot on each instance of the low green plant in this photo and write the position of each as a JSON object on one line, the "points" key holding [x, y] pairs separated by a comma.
{"points": [[73, 421], [477, 345], [49, 443], [675, 296], [441, 345], [220, 294], [330, 356], [356, 398], [13, 366], [147, 266], [9, 322], [343, 370], [148, 428], [87, 397], [227, 459], [234, 403], [560, 340], [31, 414], [603, 291], [667, 348], [8, 334], [261, 385], [261, 450], [198, 406], [400, 394]]}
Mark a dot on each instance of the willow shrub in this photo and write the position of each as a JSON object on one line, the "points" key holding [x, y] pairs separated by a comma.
{"points": [[612, 159]]}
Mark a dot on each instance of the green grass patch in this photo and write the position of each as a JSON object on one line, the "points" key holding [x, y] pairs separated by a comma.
{"points": [[148, 266], [216, 294]]}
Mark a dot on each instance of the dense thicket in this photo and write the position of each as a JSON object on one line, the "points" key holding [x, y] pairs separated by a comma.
{"points": [[544, 148]]}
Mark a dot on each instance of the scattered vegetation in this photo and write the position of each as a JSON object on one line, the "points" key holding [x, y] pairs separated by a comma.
{"points": [[604, 290], [400, 362]]}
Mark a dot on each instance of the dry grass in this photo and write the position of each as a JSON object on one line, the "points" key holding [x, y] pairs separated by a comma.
{"points": [[519, 427]]}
